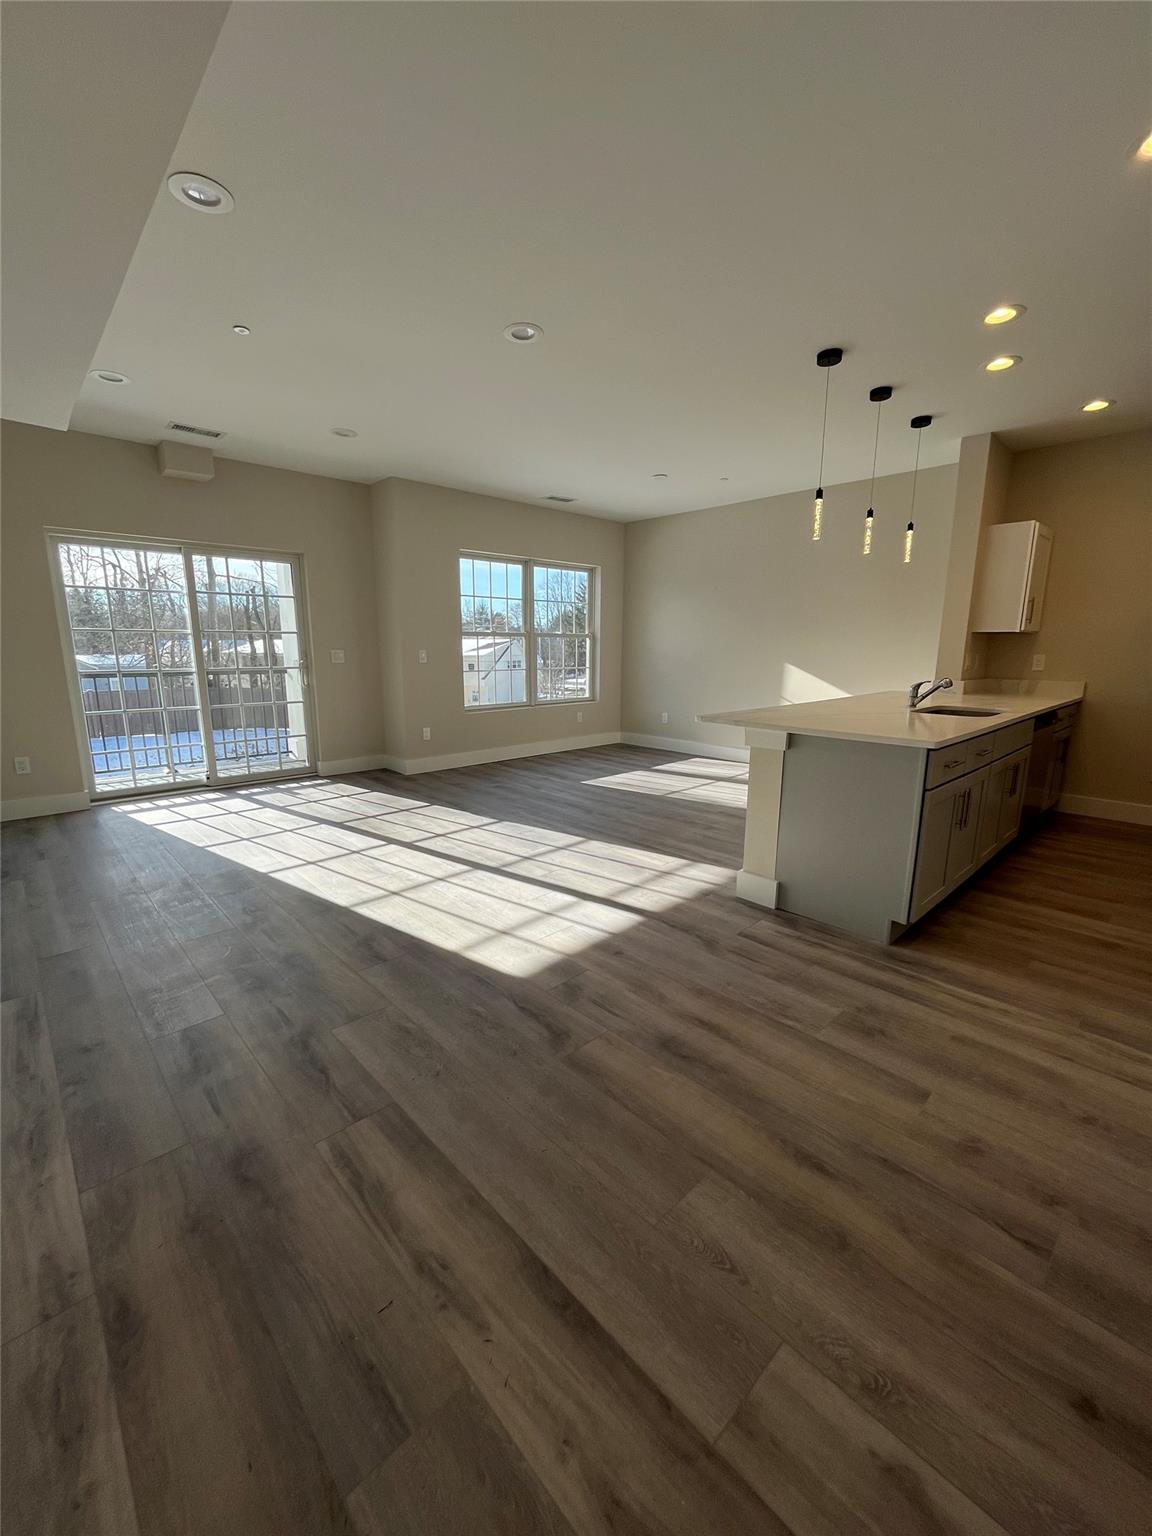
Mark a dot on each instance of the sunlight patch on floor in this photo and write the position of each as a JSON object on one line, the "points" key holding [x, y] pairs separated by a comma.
{"points": [[513, 896], [710, 780]]}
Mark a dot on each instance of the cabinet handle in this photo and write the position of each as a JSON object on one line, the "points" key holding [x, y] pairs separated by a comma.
{"points": [[962, 808], [1028, 615], [1015, 778], [956, 762]]}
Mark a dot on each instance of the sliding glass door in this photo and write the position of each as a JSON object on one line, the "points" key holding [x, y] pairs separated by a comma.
{"points": [[248, 617], [163, 639]]}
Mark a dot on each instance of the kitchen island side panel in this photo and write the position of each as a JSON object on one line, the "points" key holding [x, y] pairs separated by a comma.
{"points": [[849, 819]]}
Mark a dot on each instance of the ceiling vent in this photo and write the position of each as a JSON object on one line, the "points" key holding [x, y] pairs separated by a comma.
{"points": [[182, 426], [564, 499]]}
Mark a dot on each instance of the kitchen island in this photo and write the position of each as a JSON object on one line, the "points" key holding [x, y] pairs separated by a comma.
{"points": [[864, 813]]}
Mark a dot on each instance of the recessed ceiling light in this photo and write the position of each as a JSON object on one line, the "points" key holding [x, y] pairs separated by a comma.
{"points": [[522, 331], [1145, 150], [343, 432], [1097, 405], [200, 192], [241, 330], [107, 376], [1005, 312], [1000, 364]]}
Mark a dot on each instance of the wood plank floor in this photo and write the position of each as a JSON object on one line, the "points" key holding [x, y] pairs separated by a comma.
{"points": [[457, 1154]]}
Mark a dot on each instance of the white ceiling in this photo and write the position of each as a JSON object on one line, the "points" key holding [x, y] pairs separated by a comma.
{"points": [[689, 199], [94, 99]]}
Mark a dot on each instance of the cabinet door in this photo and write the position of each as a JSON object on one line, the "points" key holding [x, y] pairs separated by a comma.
{"points": [[965, 827], [1012, 800], [1037, 580], [988, 828], [1011, 576], [941, 807]]}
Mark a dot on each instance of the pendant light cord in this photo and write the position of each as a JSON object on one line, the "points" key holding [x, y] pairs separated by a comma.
{"points": [[824, 425], [875, 451], [915, 471]]}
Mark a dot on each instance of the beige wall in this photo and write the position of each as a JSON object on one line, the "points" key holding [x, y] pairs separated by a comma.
{"points": [[736, 606], [723, 608], [982, 477], [420, 532], [1097, 499], [101, 485]]}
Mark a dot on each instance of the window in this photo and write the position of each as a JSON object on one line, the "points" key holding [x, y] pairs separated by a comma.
{"points": [[526, 632]]}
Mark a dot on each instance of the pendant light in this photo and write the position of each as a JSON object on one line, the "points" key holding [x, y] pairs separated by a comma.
{"points": [[918, 423], [878, 396], [826, 358]]}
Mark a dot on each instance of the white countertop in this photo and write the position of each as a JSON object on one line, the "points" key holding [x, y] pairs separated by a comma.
{"points": [[885, 718]]}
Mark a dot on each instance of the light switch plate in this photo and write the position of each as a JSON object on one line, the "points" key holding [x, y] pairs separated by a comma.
{"points": [[427, 733], [337, 657], [22, 764], [1038, 663], [421, 656]]}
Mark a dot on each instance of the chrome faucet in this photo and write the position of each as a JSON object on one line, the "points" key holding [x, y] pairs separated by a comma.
{"points": [[916, 697]]}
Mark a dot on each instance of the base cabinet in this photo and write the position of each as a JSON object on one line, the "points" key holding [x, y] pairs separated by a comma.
{"points": [[962, 824], [931, 881], [988, 832], [1012, 799]]}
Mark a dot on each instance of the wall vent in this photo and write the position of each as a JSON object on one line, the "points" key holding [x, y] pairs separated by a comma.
{"points": [[182, 426], [564, 499]]}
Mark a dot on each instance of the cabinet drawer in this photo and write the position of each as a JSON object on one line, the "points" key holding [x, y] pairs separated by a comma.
{"points": [[1013, 737], [982, 750], [946, 763]]}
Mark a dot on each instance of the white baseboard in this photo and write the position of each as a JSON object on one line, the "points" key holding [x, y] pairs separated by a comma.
{"points": [[43, 805], [356, 764], [409, 765], [692, 748], [1108, 810], [757, 888]]}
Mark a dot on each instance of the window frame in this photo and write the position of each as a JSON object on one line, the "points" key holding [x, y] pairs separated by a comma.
{"points": [[529, 567]]}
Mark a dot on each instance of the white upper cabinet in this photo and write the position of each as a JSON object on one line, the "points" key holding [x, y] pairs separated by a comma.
{"points": [[1011, 577]]}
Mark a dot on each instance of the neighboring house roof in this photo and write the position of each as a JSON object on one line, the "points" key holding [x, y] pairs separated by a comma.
{"points": [[98, 663]]}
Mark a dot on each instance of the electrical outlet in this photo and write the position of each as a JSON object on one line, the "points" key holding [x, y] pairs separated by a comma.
{"points": [[22, 764], [1038, 663], [427, 733], [579, 716], [664, 718], [337, 658], [421, 656]]}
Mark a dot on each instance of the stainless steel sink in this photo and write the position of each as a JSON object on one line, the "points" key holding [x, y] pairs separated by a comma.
{"points": [[945, 709]]}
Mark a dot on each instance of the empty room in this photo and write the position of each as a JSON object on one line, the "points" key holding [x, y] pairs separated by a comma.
{"points": [[576, 768]]}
